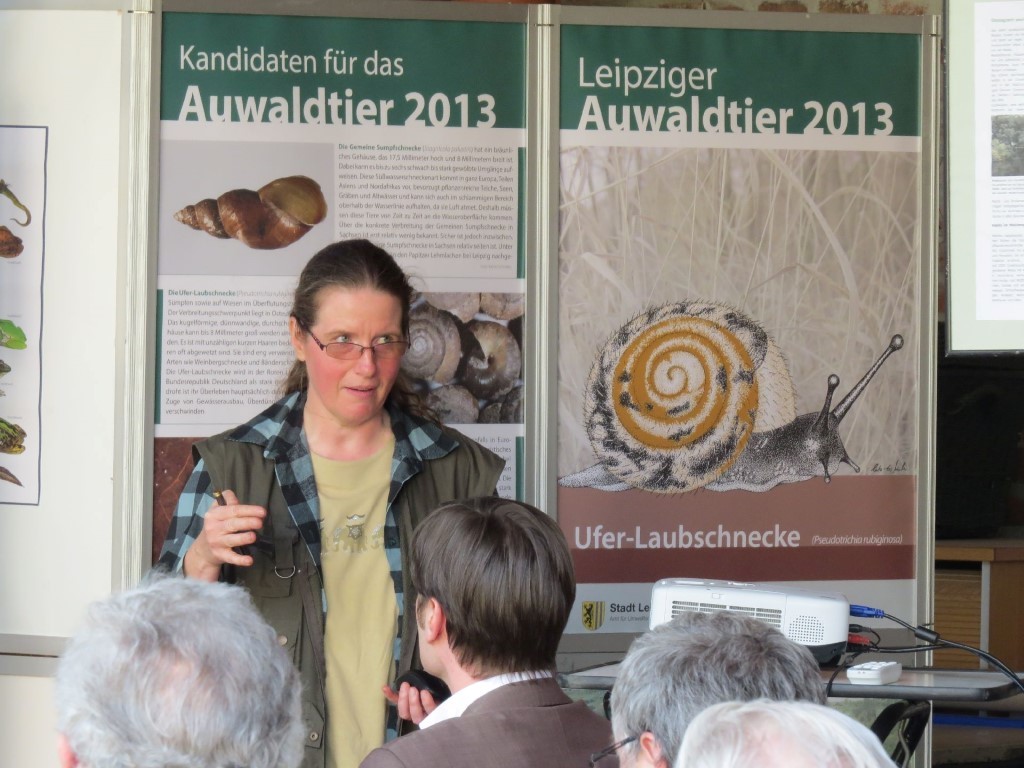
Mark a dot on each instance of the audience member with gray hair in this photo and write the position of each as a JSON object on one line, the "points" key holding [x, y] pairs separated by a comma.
{"points": [[684, 666], [177, 672], [778, 734]]}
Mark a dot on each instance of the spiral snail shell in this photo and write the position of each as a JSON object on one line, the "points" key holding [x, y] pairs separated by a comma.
{"points": [[463, 305], [696, 394], [274, 216], [673, 397], [434, 345]]}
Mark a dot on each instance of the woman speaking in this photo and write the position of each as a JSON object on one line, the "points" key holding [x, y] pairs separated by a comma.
{"points": [[310, 505]]}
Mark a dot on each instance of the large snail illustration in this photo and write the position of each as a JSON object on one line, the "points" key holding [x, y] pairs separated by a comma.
{"points": [[697, 395], [274, 216]]}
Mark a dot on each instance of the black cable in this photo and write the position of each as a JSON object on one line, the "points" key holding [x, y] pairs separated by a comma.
{"points": [[933, 637], [858, 629], [839, 668], [989, 658], [902, 623], [911, 649]]}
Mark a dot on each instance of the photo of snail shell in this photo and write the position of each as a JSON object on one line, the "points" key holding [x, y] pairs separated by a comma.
{"points": [[697, 395], [274, 216], [465, 356], [8, 476]]}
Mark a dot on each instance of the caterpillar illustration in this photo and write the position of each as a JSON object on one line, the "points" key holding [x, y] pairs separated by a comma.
{"points": [[697, 395]]}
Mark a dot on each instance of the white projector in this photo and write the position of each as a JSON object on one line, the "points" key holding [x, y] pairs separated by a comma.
{"points": [[819, 620]]}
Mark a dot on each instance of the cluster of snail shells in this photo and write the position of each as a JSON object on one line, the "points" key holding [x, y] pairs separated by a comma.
{"points": [[466, 349], [274, 216], [676, 393]]}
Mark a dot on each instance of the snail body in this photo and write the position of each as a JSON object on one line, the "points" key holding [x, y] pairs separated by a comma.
{"points": [[695, 394], [276, 215]]}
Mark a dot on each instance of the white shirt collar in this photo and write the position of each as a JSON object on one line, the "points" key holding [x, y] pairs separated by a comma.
{"points": [[459, 701]]}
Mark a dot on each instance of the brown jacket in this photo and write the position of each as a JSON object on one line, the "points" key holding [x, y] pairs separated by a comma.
{"points": [[530, 724]]}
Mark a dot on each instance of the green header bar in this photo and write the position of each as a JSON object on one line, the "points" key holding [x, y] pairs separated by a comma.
{"points": [[306, 70], [740, 81]]}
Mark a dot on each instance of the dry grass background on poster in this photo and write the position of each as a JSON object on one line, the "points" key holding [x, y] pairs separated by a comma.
{"points": [[819, 247]]}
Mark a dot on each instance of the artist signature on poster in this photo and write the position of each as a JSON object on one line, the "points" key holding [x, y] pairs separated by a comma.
{"points": [[896, 467]]}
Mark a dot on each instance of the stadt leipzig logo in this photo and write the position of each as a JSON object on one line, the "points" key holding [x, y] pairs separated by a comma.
{"points": [[592, 614]]}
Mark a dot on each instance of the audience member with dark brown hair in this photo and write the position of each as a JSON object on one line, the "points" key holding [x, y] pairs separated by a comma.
{"points": [[495, 586]]}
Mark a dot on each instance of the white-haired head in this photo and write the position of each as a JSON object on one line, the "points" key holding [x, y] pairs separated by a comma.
{"points": [[778, 734], [178, 672]]}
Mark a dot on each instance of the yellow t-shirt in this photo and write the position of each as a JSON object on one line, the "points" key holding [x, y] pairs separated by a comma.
{"points": [[362, 615]]}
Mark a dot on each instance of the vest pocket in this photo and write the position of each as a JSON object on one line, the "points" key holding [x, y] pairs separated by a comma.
{"points": [[314, 721], [285, 616], [263, 582]]}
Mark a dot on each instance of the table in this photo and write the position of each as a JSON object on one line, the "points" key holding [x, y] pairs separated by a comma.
{"points": [[914, 684], [978, 585]]}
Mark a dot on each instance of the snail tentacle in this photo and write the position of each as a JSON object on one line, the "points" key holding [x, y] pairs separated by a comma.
{"points": [[895, 343]]}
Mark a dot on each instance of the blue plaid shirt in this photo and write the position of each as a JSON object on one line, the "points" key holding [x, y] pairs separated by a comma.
{"points": [[279, 430]]}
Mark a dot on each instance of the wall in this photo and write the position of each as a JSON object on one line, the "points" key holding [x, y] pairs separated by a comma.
{"points": [[63, 71]]}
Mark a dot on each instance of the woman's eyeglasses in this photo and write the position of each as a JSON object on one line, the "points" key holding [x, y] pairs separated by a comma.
{"points": [[609, 751], [349, 350]]}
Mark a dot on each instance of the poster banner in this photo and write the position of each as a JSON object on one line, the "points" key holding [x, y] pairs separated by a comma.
{"points": [[386, 129], [738, 310], [999, 116], [985, 166], [22, 202]]}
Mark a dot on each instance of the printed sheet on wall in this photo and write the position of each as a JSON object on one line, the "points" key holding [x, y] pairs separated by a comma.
{"points": [[22, 202]]}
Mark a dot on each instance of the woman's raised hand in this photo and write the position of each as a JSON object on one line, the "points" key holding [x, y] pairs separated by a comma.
{"points": [[225, 527]]}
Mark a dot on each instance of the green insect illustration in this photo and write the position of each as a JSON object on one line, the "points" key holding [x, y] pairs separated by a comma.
{"points": [[11, 335]]}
